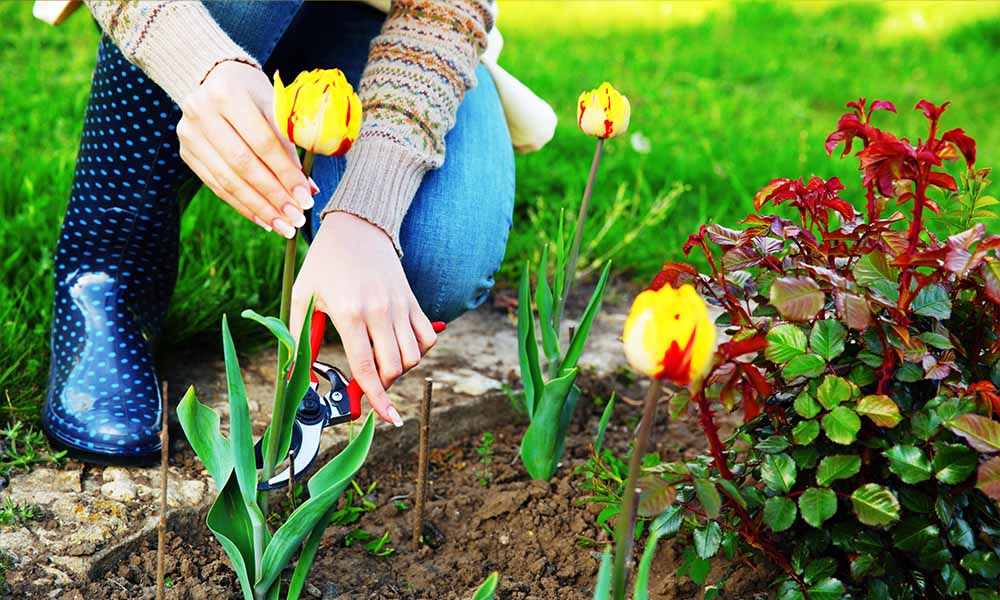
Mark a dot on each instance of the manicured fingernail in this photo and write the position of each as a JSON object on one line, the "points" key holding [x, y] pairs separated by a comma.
{"points": [[303, 197], [294, 215], [262, 224], [394, 416], [315, 188], [283, 228]]}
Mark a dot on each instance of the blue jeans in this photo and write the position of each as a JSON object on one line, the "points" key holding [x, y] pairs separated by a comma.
{"points": [[455, 233]]}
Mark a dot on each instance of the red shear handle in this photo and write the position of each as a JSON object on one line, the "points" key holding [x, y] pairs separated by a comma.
{"points": [[354, 393]]}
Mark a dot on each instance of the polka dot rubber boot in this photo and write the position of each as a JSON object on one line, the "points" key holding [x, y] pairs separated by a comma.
{"points": [[116, 266]]}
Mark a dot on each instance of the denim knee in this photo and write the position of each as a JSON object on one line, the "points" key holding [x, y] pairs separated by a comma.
{"points": [[457, 275]]}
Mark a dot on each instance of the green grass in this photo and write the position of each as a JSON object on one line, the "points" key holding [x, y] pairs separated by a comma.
{"points": [[728, 96]]}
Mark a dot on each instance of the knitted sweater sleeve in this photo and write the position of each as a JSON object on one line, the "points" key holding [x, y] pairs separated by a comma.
{"points": [[419, 68], [175, 42]]}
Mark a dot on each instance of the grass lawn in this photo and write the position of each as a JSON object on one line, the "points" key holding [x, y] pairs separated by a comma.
{"points": [[725, 98]]}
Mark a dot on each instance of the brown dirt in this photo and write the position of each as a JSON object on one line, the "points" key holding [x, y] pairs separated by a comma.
{"points": [[531, 532]]}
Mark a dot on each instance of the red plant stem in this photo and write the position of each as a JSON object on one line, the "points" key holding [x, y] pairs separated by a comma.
{"points": [[625, 525], [707, 420]]}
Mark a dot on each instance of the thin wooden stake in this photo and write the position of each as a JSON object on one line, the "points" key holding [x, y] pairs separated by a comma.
{"points": [[291, 478], [422, 460], [161, 529]]}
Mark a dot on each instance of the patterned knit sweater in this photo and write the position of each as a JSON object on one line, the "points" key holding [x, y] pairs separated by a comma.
{"points": [[419, 68]]}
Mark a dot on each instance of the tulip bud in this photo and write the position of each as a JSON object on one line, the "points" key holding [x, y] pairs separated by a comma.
{"points": [[319, 111], [668, 334], [603, 112]]}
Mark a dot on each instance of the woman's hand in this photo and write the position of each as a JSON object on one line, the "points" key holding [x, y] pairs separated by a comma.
{"points": [[229, 139], [353, 273]]}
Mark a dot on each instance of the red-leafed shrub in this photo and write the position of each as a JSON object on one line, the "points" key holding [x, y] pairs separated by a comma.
{"points": [[863, 353]]}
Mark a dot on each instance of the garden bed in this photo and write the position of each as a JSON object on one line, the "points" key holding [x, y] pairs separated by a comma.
{"points": [[486, 517]]}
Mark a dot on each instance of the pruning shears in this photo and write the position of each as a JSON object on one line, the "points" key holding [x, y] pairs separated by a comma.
{"points": [[340, 404]]}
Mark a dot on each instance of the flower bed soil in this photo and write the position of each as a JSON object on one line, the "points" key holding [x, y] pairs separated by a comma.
{"points": [[533, 533]]}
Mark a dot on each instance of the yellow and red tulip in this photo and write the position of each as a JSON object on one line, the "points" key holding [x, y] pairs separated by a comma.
{"points": [[669, 335], [319, 111], [603, 112]]}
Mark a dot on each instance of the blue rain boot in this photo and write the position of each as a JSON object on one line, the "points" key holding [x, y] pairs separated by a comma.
{"points": [[115, 269]]}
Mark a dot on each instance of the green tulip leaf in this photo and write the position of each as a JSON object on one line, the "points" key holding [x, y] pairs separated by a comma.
{"points": [[201, 427], [541, 439], [527, 345]]}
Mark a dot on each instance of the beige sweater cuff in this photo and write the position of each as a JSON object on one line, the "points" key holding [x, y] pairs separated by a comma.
{"points": [[182, 44], [378, 185]]}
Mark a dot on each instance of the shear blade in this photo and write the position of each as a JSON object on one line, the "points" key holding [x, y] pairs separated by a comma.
{"points": [[305, 454]]}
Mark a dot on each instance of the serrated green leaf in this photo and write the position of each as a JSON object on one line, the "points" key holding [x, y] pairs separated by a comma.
{"points": [[707, 539], [817, 505], [833, 390], [874, 266], [827, 338], [838, 466], [655, 495], [909, 463], [932, 301], [709, 497], [984, 563], [806, 406], [909, 373], [779, 513], [954, 463], [806, 365], [913, 533], [778, 472], [805, 432], [827, 589], [841, 425], [936, 340], [875, 505], [773, 444], [880, 409], [785, 342]]}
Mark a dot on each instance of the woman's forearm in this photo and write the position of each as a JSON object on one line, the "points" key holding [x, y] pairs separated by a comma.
{"points": [[176, 43], [418, 71]]}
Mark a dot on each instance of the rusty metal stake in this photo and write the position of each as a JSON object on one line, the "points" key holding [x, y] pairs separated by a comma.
{"points": [[291, 478], [161, 529], [422, 460]]}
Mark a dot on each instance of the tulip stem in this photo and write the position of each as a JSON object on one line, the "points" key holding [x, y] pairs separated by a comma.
{"points": [[581, 219], [625, 525], [280, 382]]}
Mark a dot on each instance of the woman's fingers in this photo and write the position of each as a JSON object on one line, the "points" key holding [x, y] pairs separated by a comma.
{"points": [[206, 176], [281, 179], [409, 349], [236, 190], [358, 348], [250, 172], [383, 339], [422, 329]]}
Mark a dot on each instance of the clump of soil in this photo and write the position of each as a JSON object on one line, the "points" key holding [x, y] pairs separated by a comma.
{"points": [[482, 518]]}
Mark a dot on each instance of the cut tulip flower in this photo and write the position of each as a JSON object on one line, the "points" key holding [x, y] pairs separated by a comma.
{"points": [[603, 112], [319, 111], [669, 335]]}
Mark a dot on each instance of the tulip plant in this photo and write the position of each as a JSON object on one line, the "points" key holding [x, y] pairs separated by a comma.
{"points": [[321, 113], [863, 351], [603, 113]]}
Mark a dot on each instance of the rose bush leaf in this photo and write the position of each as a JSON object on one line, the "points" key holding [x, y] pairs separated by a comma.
{"points": [[838, 466], [841, 425], [817, 505], [797, 298], [880, 409], [785, 342], [909, 463], [779, 513], [827, 339], [981, 432], [875, 504]]}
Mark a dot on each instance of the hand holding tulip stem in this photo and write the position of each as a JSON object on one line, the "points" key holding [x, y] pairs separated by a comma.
{"points": [[232, 143]]}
